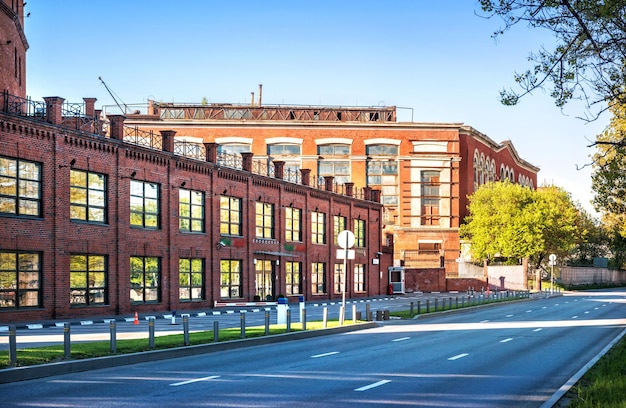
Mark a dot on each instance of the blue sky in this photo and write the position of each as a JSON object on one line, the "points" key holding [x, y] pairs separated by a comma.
{"points": [[435, 57]]}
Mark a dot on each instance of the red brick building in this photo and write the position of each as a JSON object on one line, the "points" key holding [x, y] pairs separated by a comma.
{"points": [[95, 225], [13, 46], [425, 171]]}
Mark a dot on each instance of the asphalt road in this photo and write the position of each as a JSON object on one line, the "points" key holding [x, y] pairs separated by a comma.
{"points": [[510, 355], [86, 329]]}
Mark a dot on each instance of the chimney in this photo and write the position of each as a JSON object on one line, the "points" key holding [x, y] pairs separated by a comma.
{"points": [[260, 93], [251, 98], [54, 109]]}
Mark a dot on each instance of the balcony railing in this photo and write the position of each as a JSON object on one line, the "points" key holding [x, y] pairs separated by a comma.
{"points": [[74, 116]]}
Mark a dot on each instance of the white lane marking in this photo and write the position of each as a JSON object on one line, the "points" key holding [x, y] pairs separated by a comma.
{"points": [[325, 354], [538, 329], [545, 307], [506, 340], [510, 315], [529, 311], [575, 317], [458, 356], [484, 321], [595, 308], [212, 377], [587, 312], [401, 339], [374, 385]]}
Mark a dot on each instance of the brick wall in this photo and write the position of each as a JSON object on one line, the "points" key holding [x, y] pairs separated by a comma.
{"points": [[57, 237]]}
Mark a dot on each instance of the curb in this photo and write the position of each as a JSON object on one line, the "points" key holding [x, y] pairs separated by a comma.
{"points": [[9, 375]]}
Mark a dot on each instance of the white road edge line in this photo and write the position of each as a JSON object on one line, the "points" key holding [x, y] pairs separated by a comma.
{"points": [[574, 379], [506, 340], [401, 339], [538, 329], [212, 377], [458, 356], [374, 385], [325, 354]]}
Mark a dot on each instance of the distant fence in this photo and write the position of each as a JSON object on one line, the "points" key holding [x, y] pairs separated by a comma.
{"points": [[577, 276]]}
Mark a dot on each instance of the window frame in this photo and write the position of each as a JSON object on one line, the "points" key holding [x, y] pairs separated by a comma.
{"points": [[27, 191], [233, 269], [230, 217], [189, 273], [16, 289], [142, 273], [318, 272], [140, 204], [81, 296], [293, 224], [264, 220], [318, 228], [360, 232], [88, 194], [196, 222], [359, 278], [293, 278]]}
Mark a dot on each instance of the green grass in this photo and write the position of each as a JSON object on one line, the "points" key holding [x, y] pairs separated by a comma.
{"points": [[604, 385], [82, 350]]}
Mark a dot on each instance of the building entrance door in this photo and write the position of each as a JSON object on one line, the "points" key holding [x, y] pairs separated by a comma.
{"points": [[396, 279], [265, 280]]}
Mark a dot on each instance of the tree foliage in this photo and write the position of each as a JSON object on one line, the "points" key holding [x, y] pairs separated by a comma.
{"points": [[588, 59], [608, 179], [511, 221]]}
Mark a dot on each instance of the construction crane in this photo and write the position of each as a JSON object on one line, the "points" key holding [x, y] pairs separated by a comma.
{"points": [[113, 95]]}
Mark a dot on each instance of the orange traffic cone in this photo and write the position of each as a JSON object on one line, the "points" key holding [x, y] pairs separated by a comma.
{"points": [[136, 319]]}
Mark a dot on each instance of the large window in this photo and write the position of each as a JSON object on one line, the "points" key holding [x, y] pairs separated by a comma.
{"points": [[334, 149], [293, 278], [293, 224], [318, 228], [359, 233], [190, 210], [230, 216], [318, 278], [430, 197], [340, 170], [286, 149], [338, 277], [264, 220], [233, 148], [87, 196], [88, 280], [144, 204], [20, 280], [334, 161], [230, 279], [190, 279], [359, 278], [382, 150], [382, 171], [339, 224], [145, 280], [20, 187]]}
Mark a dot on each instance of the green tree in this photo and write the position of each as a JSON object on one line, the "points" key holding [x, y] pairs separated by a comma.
{"points": [[589, 55], [608, 179], [511, 221]]}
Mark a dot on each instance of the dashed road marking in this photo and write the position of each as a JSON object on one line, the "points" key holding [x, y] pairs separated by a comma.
{"points": [[374, 385], [212, 377], [325, 354]]}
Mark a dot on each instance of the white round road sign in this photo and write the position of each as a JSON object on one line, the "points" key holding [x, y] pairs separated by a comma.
{"points": [[345, 239], [552, 257]]}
